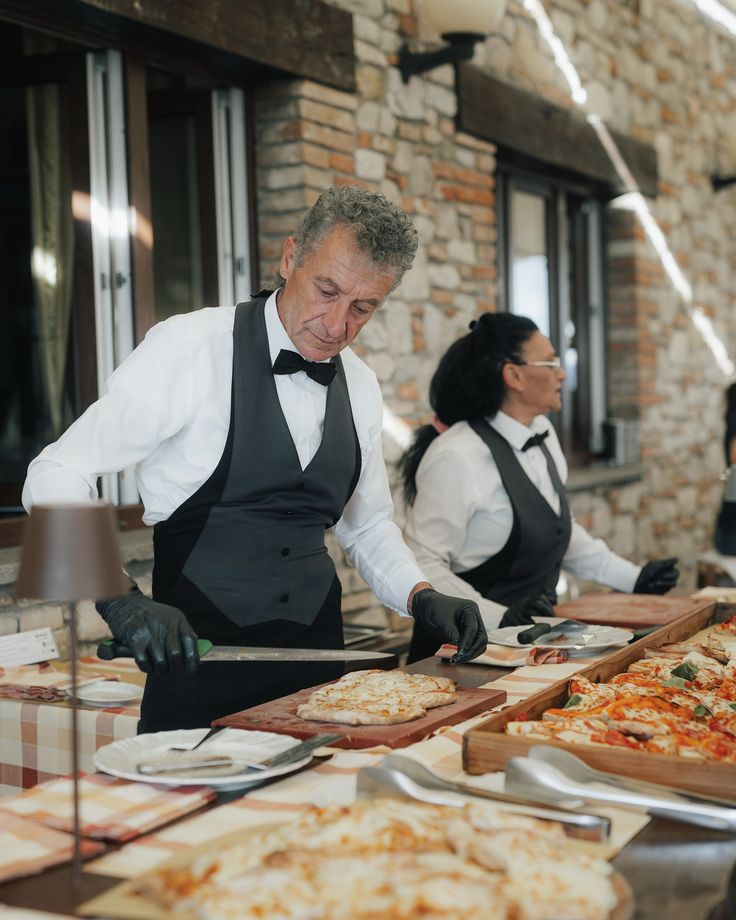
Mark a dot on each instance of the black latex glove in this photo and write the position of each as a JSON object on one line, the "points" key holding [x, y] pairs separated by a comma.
{"points": [[657, 577], [455, 620], [521, 612], [159, 636]]}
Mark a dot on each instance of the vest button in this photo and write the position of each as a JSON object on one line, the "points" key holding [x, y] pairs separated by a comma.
{"points": [[559, 531], [284, 598], [285, 551], [300, 486]]}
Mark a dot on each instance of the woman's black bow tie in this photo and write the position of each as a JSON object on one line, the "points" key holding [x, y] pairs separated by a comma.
{"points": [[535, 440], [289, 362]]}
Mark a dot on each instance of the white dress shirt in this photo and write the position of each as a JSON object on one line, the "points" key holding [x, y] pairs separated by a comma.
{"points": [[462, 515], [166, 410]]}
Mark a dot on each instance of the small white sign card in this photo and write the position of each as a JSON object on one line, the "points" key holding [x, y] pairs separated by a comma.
{"points": [[27, 647]]}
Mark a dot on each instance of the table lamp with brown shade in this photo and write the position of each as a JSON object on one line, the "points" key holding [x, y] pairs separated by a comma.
{"points": [[70, 553]]}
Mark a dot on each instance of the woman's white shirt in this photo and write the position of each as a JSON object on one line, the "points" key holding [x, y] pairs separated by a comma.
{"points": [[462, 514]]}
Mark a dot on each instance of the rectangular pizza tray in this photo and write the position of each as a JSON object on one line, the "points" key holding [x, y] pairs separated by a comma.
{"points": [[486, 748]]}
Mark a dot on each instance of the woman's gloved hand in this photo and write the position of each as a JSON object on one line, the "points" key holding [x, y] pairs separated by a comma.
{"points": [[520, 613], [159, 636], [455, 620], [657, 577]]}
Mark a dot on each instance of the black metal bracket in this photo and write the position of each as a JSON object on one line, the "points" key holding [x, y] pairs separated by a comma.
{"points": [[719, 182], [459, 48]]}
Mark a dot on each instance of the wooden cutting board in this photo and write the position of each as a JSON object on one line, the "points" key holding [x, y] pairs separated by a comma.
{"points": [[280, 716], [629, 610]]}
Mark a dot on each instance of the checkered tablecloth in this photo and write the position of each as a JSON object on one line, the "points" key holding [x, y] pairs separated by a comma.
{"points": [[35, 737]]}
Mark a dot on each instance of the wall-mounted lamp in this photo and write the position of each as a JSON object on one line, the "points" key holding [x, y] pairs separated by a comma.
{"points": [[719, 182], [461, 24]]}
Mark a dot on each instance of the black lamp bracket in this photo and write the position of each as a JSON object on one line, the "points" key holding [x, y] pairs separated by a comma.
{"points": [[459, 48], [719, 182]]}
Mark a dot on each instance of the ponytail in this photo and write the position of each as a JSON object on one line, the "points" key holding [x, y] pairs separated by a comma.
{"points": [[412, 457]]}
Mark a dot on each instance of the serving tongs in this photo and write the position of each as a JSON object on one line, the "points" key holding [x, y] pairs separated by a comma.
{"points": [[529, 776], [403, 777]]}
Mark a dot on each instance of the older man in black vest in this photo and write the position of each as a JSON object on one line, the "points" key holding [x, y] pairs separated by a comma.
{"points": [[254, 429]]}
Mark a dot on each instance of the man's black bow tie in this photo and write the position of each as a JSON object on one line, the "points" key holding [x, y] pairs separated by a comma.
{"points": [[535, 440], [289, 362]]}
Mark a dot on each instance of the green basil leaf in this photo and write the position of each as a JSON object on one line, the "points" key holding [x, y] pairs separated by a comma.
{"points": [[686, 670], [678, 682], [701, 711], [732, 705], [573, 701]]}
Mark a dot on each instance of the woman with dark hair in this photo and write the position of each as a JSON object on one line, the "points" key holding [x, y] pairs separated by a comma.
{"points": [[488, 517], [730, 433], [724, 534]]}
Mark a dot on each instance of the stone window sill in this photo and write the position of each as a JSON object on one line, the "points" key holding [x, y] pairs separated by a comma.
{"points": [[585, 478]]}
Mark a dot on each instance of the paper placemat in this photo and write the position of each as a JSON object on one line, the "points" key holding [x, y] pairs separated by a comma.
{"points": [[110, 808], [27, 847]]}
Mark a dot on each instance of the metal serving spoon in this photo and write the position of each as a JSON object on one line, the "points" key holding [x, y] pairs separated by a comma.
{"points": [[577, 769]]}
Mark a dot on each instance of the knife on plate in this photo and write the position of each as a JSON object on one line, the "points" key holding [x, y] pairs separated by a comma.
{"points": [[110, 648], [527, 636], [203, 761]]}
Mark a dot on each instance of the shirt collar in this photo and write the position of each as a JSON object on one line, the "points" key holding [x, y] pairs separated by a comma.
{"points": [[277, 336], [516, 433]]}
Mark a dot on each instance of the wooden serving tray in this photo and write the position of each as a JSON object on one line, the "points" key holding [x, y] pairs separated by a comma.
{"points": [[280, 716], [487, 748], [630, 611]]}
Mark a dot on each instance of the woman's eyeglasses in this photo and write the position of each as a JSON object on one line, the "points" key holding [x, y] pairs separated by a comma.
{"points": [[553, 362]]}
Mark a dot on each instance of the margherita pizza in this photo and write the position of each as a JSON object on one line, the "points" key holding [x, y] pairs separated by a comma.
{"points": [[377, 698], [680, 699]]}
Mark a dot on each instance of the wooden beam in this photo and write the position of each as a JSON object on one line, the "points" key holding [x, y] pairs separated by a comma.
{"points": [[237, 40], [518, 121]]}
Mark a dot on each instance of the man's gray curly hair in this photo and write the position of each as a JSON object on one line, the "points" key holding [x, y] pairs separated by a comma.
{"points": [[382, 230]]}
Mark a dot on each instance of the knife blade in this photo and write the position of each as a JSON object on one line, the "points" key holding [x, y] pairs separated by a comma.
{"points": [[110, 648]]}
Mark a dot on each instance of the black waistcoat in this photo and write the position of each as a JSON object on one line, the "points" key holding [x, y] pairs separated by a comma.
{"points": [[244, 557], [530, 561], [249, 543]]}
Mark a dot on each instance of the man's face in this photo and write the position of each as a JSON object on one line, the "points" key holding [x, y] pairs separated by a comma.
{"points": [[327, 300]]}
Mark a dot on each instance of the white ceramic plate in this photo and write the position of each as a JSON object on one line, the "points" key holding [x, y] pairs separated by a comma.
{"points": [[121, 758], [109, 693], [592, 637]]}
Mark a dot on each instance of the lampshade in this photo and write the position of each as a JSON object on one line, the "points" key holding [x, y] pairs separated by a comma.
{"points": [[470, 16], [70, 553]]}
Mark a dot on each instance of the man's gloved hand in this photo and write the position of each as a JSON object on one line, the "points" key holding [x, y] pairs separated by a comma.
{"points": [[521, 612], [657, 577], [159, 636], [455, 620]]}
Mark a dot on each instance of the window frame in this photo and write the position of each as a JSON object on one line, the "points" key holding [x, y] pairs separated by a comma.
{"points": [[568, 231], [72, 67]]}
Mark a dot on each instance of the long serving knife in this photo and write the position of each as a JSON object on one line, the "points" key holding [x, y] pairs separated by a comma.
{"points": [[110, 648]]}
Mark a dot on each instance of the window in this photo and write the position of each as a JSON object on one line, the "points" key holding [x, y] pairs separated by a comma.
{"points": [[125, 199], [550, 269]]}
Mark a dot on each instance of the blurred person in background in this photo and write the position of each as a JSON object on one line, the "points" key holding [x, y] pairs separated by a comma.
{"points": [[488, 517]]}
